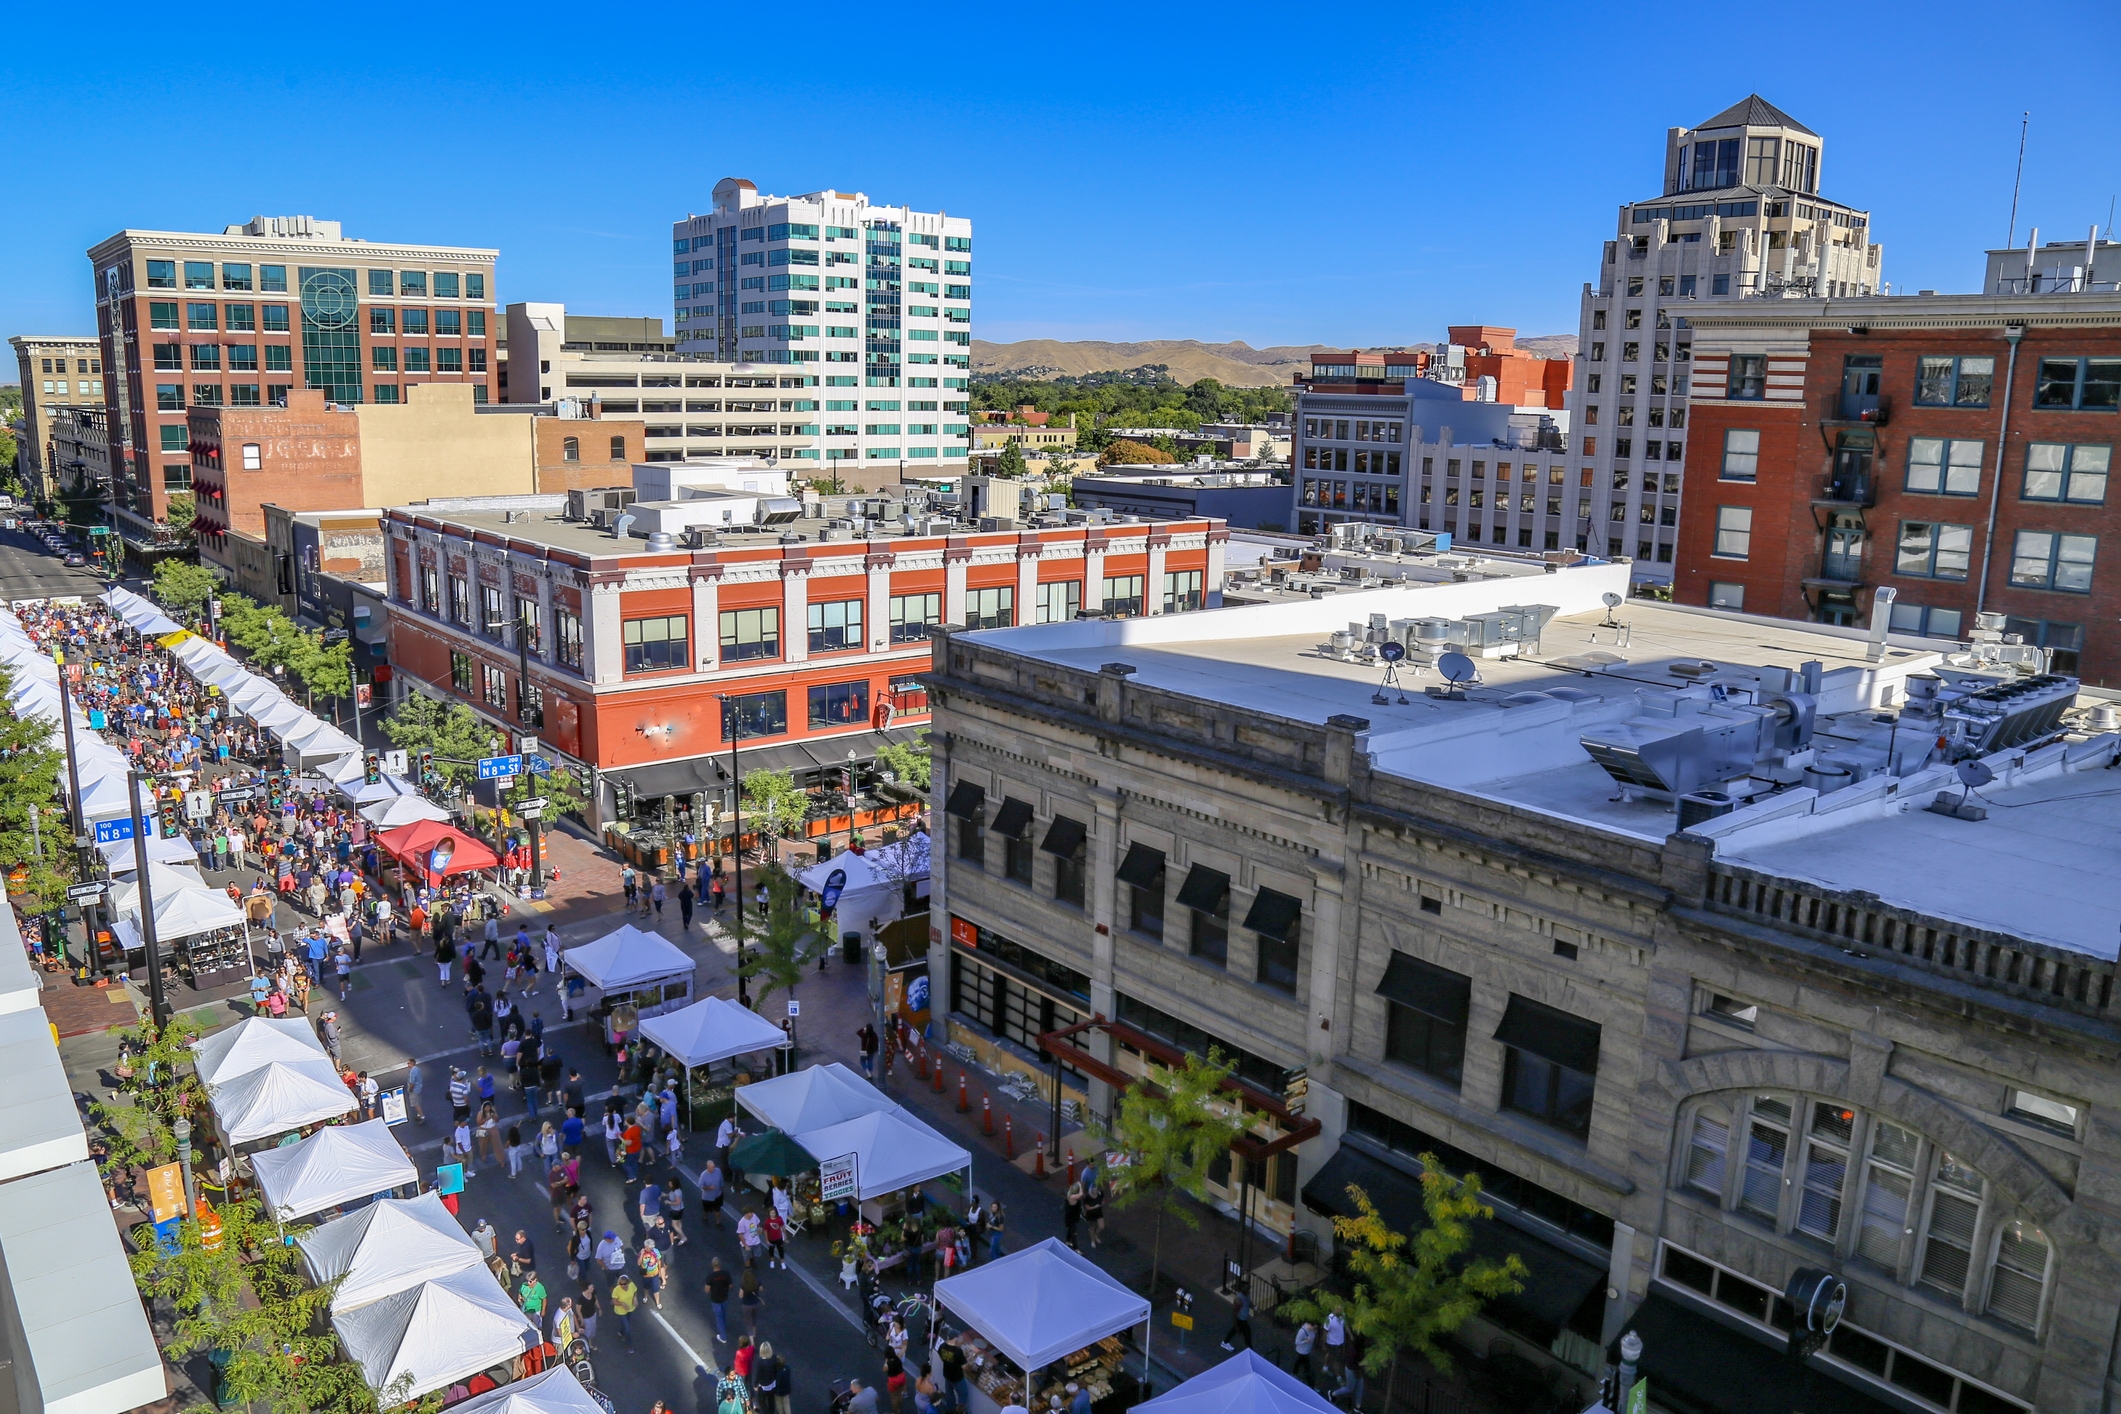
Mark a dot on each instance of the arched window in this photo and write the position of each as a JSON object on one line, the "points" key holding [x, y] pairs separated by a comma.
{"points": [[571, 449]]}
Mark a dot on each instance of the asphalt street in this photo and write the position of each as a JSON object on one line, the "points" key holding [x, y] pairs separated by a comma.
{"points": [[30, 571]]}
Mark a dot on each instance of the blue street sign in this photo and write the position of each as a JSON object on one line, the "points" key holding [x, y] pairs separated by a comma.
{"points": [[537, 765], [112, 831], [494, 767]]}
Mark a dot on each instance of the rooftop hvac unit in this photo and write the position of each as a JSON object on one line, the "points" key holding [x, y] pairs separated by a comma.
{"points": [[779, 510], [1691, 743], [2014, 712]]}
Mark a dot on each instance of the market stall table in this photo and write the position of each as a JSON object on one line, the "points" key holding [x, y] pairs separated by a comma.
{"points": [[1046, 1306], [433, 851], [706, 1033], [337, 1165], [632, 968]]}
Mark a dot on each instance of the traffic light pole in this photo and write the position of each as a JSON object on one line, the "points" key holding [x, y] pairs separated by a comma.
{"points": [[90, 953], [158, 1001]]}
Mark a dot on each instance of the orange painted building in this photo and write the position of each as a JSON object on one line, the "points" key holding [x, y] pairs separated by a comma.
{"points": [[642, 662], [1521, 379]]}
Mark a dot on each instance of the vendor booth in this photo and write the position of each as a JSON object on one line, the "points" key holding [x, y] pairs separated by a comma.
{"points": [[553, 1392], [431, 851], [1246, 1383], [253, 1042], [633, 971], [876, 887], [815, 1097], [395, 814], [165, 881], [701, 1036], [428, 1337], [892, 1150], [386, 1248], [208, 933], [1039, 1320], [119, 856], [278, 1099], [339, 1164]]}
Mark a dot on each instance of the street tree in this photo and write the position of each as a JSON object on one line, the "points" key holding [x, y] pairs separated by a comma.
{"points": [[182, 513], [783, 947], [1411, 1291], [452, 731], [1126, 453], [34, 834], [911, 762], [775, 807], [1171, 1130], [326, 669], [184, 587], [1011, 461], [164, 1088]]}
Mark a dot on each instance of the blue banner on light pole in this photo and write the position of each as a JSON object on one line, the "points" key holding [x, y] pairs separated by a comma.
{"points": [[492, 768], [537, 765], [112, 831]]}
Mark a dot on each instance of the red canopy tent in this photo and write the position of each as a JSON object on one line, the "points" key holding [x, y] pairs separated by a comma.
{"points": [[436, 850]]}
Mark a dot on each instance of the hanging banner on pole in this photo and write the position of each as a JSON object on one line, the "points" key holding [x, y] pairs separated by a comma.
{"points": [[836, 1178], [165, 1192]]}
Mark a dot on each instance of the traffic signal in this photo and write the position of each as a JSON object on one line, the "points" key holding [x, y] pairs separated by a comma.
{"points": [[170, 827], [427, 766], [375, 769], [622, 799]]}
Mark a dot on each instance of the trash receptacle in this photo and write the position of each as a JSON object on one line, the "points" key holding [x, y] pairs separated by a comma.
{"points": [[850, 948]]}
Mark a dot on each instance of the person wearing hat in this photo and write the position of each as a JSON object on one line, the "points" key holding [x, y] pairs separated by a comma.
{"points": [[1078, 1399]]}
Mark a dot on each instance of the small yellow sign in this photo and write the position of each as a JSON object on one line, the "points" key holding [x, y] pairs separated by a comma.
{"points": [[165, 1191], [171, 640], [1183, 1321]]}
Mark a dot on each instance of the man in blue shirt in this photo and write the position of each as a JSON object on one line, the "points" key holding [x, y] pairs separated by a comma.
{"points": [[571, 1132], [319, 946]]}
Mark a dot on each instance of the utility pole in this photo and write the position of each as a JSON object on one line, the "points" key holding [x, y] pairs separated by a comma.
{"points": [[82, 842], [158, 1002], [734, 730]]}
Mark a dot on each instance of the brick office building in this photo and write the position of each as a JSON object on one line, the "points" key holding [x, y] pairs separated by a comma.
{"points": [[817, 634], [1953, 447]]}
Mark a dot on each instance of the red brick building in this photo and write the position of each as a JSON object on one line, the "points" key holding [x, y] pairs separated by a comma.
{"points": [[817, 636], [1956, 448]]}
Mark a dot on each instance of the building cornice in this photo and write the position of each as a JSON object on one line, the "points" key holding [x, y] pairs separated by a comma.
{"points": [[113, 246], [2062, 311]]}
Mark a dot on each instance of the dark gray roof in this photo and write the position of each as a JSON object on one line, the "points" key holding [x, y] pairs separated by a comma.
{"points": [[1753, 111]]}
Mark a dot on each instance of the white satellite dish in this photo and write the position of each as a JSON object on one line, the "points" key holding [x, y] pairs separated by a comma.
{"points": [[1457, 667], [1612, 600], [1973, 773], [1392, 652]]}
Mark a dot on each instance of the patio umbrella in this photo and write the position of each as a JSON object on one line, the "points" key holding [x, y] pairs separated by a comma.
{"points": [[773, 1153]]}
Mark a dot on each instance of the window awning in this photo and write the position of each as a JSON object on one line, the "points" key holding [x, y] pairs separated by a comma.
{"points": [[1142, 866], [1556, 1280], [966, 801], [1429, 989], [1695, 1362], [1205, 889], [1274, 914], [1012, 819], [1065, 837], [1551, 1034]]}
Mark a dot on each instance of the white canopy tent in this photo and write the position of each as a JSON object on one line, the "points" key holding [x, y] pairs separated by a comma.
{"points": [[651, 973], [187, 913], [813, 1098], [151, 622], [164, 881], [252, 1042], [104, 799], [874, 888], [360, 792], [1042, 1303], [429, 1336], [333, 1167], [712, 1030], [118, 855], [386, 1247], [279, 1097], [221, 671], [1246, 1383], [253, 695], [555, 1391], [277, 714], [404, 810], [316, 743], [893, 1149]]}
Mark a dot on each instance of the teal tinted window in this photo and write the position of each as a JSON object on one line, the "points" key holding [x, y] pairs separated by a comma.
{"points": [[331, 345], [235, 277], [198, 274], [381, 282], [445, 284], [272, 278], [475, 287], [412, 282]]}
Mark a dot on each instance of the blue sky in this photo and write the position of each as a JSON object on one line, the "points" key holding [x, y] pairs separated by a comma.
{"points": [[1362, 175]]}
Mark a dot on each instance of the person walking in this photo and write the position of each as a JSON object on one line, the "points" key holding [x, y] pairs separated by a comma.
{"points": [[867, 1036], [656, 895], [1336, 1333], [685, 901], [459, 1094], [1306, 1339], [492, 932], [751, 1299], [750, 1236], [1240, 1321], [625, 1296], [328, 1032], [342, 963], [628, 882], [767, 1380], [1094, 1210], [532, 1295], [587, 1305], [997, 1223], [718, 1283], [612, 1132], [711, 1195], [774, 1232], [952, 1356], [651, 1264], [485, 1239], [1072, 1212]]}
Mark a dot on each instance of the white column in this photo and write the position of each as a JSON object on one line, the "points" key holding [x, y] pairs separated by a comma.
{"points": [[1093, 574], [878, 609], [605, 652], [954, 565], [1153, 586], [1027, 580], [544, 636], [795, 613], [1219, 539], [706, 619]]}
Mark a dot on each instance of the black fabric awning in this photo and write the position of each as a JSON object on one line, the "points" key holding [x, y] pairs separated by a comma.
{"points": [[1012, 819], [1698, 1365], [1065, 837], [966, 801], [1551, 1034], [1274, 914], [1205, 889], [661, 778], [1556, 1281], [1429, 989], [1142, 866]]}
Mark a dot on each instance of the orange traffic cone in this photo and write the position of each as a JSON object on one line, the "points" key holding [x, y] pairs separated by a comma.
{"points": [[1071, 1166], [964, 1102], [921, 1063], [1009, 1136], [1038, 1164], [938, 1075], [986, 1114]]}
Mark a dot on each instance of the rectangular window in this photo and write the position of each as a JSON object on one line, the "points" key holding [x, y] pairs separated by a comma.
{"points": [[198, 274], [1123, 596], [272, 279], [493, 620], [1725, 595], [1934, 551], [913, 614], [235, 277], [1925, 622], [474, 287], [2019, 1278], [413, 283], [242, 358], [1067, 841], [1826, 1161], [1060, 601], [382, 320], [460, 600], [1708, 1151], [2044, 559], [1142, 871], [380, 283], [1734, 532], [461, 675], [1182, 591], [383, 358], [750, 633], [1748, 376], [242, 317], [968, 805], [1550, 1064], [2064, 471], [1954, 382], [416, 360], [275, 316], [176, 439], [755, 714], [1955, 1212], [530, 624], [1889, 1180], [990, 608], [1767, 1149], [430, 590], [416, 321], [1206, 898], [1275, 921], [162, 274], [2085, 384], [567, 637], [449, 323], [656, 645], [1741, 455], [1425, 1016], [445, 284], [449, 360], [206, 357], [494, 685], [836, 627], [162, 314], [1944, 467], [840, 704], [202, 317]]}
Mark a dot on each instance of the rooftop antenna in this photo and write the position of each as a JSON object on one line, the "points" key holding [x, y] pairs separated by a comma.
{"points": [[1391, 652], [1457, 669], [2023, 123], [1612, 602]]}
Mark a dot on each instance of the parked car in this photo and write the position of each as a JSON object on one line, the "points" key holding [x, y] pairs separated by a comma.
{"points": [[75, 558]]}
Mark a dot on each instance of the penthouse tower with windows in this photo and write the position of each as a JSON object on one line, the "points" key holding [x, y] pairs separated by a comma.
{"points": [[1740, 216], [867, 310]]}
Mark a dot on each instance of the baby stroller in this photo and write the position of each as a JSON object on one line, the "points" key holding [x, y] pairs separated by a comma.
{"points": [[585, 1374]]}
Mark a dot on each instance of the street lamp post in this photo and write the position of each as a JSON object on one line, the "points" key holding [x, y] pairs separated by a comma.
{"points": [[883, 1033], [182, 1129], [158, 1002], [734, 730], [80, 829]]}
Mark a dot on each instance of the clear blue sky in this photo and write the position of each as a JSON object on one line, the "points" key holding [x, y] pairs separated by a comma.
{"points": [[1278, 174]]}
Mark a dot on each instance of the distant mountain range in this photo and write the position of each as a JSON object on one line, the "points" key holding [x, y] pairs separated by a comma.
{"points": [[1237, 365]]}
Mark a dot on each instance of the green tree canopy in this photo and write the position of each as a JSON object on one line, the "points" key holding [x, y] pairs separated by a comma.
{"points": [[452, 731], [182, 511], [1171, 1130], [774, 805], [1125, 453], [1141, 397], [783, 947], [1011, 461], [34, 831], [910, 761], [164, 1088], [185, 587]]}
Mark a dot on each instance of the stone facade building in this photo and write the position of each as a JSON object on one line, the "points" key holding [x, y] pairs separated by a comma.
{"points": [[1822, 1027]]}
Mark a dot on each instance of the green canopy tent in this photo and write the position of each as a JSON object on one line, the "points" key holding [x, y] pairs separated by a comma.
{"points": [[773, 1154]]}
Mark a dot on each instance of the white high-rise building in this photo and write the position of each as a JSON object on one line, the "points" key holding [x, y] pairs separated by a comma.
{"points": [[866, 310], [1740, 217]]}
